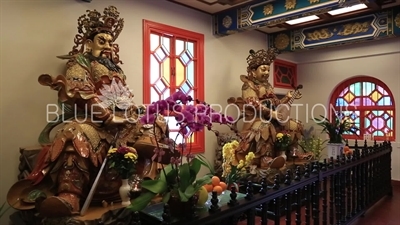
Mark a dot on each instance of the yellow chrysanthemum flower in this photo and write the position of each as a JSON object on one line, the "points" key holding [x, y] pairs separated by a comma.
{"points": [[131, 156], [279, 135], [111, 151]]}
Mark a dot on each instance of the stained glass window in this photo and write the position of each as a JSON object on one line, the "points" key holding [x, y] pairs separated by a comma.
{"points": [[173, 60], [370, 105], [285, 74]]}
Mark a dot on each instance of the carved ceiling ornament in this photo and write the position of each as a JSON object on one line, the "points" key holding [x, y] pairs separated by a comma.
{"points": [[227, 21], [281, 41], [397, 20], [290, 4], [313, 1], [268, 9]]}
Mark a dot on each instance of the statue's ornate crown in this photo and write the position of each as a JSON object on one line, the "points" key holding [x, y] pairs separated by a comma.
{"points": [[93, 22], [261, 57]]}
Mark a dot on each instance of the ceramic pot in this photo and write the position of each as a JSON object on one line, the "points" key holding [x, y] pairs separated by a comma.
{"points": [[124, 192], [334, 149], [283, 154], [182, 209], [234, 184]]}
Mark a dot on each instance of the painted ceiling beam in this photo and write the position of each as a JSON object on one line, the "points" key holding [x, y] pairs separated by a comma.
{"points": [[271, 13], [374, 26]]}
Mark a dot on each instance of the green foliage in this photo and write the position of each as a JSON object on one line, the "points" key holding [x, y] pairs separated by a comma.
{"points": [[311, 143], [336, 128], [179, 179], [4, 209]]}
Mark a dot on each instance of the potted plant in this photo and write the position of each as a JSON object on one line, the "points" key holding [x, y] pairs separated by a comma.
{"points": [[311, 145], [335, 129], [232, 169], [282, 142], [123, 160], [178, 182]]}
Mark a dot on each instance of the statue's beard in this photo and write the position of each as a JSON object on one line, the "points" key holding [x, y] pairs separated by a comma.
{"points": [[105, 61]]}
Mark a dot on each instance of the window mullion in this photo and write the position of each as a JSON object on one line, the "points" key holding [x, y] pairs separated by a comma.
{"points": [[173, 65]]}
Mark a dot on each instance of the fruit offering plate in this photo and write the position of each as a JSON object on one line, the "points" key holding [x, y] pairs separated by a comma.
{"points": [[156, 210], [223, 199]]}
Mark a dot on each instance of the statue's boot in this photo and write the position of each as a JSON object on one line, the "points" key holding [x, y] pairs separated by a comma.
{"points": [[277, 162], [65, 204]]}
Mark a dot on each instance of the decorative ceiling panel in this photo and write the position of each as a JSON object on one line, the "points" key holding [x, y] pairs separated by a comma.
{"points": [[270, 16], [209, 6]]}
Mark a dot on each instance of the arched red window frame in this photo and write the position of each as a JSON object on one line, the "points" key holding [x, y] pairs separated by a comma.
{"points": [[198, 145], [339, 88]]}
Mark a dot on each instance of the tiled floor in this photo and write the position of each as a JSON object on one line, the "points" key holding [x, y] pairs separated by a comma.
{"points": [[385, 212]]}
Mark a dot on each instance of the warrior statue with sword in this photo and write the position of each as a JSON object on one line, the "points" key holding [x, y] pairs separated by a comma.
{"points": [[96, 105]]}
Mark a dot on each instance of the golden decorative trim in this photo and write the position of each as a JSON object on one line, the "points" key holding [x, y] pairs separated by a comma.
{"points": [[281, 41], [290, 4], [320, 34], [268, 9], [354, 28], [397, 20], [313, 1]]}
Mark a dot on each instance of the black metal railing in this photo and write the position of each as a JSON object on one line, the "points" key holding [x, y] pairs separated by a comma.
{"points": [[335, 191]]}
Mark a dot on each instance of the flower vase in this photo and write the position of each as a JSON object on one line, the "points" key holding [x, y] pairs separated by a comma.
{"points": [[233, 184], [124, 192], [334, 149], [283, 154]]}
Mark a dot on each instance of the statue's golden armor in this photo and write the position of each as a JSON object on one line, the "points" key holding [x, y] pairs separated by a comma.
{"points": [[98, 112], [258, 104]]}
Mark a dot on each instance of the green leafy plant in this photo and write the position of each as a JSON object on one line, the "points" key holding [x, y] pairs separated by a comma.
{"points": [[4, 209], [337, 127], [313, 144], [179, 178]]}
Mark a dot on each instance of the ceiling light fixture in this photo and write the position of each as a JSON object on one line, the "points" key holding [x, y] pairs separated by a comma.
{"points": [[347, 9], [302, 20]]}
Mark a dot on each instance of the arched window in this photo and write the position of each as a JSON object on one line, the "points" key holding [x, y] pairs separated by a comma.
{"points": [[370, 104]]}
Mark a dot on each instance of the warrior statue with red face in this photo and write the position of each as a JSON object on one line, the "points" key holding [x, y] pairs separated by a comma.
{"points": [[98, 112]]}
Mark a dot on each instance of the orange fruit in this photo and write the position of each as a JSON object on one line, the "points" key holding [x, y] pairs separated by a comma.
{"points": [[215, 181], [218, 189], [223, 185], [208, 187]]}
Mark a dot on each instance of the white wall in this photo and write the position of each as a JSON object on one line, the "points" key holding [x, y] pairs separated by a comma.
{"points": [[320, 71], [33, 33]]}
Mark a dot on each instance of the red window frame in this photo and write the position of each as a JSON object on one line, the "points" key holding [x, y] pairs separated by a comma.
{"points": [[149, 27], [289, 66], [363, 108]]}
